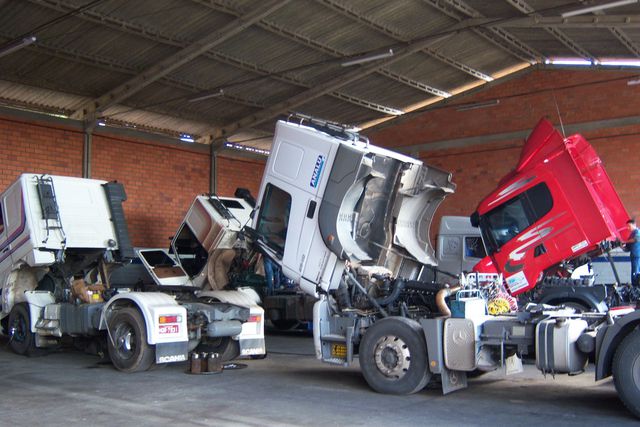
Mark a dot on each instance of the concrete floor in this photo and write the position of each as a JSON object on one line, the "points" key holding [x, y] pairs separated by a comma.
{"points": [[289, 388]]}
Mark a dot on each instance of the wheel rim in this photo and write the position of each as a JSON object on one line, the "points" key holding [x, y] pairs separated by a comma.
{"points": [[124, 338], [19, 329], [392, 356]]}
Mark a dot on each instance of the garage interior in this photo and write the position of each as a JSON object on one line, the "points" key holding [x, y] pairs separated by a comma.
{"points": [[175, 98]]}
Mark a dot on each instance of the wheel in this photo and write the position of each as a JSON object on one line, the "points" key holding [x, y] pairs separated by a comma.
{"points": [[393, 356], [21, 339], [226, 347], [626, 371], [127, 343]]}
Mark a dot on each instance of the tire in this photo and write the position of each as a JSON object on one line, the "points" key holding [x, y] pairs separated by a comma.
{"points": [[626, 371], [21, 340], [127, 341], [393, 356], [226, 347]]}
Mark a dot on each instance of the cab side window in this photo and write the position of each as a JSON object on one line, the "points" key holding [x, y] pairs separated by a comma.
{"points": [[274, 216], [473, 247], [193, 256]]}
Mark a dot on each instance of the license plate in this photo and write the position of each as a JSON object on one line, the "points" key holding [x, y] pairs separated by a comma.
{"points": [[169, 329]]}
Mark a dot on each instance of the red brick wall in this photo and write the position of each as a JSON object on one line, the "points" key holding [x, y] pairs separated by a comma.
{"points": [[581, 96], [160, 180], [234, 173], [25, 147]]}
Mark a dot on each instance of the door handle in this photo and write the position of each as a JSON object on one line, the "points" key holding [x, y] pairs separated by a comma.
{"points": [[311, 210], [539, 250], [6, 250]]}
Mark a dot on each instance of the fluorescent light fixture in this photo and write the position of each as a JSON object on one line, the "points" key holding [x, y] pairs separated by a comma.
{"points": [[186, 138], [16, 45], [367, 58], [597, 8], [600, 62], [477, 105], [621, 63], [568, 61], [101, 123], [206, 96]]}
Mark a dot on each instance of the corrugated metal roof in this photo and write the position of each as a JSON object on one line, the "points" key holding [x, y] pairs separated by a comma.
{"points": [[225, 67]]}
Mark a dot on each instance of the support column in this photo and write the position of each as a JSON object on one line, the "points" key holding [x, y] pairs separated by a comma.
{"points": [[89, 126]]}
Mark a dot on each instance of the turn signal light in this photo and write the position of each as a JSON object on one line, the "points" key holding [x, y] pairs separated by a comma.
{"points": [[169, 319], [255, 318]]}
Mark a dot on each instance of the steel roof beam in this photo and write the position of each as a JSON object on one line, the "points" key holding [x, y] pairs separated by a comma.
{"points": [[314, 44], [112, 22], [178, 59], [328, 86], [600, 21], [497, 36], [120, 67], [396, 34], [277, 29], [160, 37], [620, 35], [524, 7], [625, 40]]}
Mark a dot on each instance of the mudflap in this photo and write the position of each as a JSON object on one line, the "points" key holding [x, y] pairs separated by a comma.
{"points": [[252, 346], [453, 380], [172, 352], [434, 333]]}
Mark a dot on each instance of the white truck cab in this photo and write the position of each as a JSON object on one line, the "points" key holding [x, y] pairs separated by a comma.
{"points": [[64, 255], [459, 245], [326, 199]]}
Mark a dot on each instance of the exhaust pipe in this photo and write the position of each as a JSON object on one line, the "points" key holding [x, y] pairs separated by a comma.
{"points": [[440, 300]]}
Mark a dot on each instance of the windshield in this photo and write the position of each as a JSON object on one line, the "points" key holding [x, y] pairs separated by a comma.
{"points": [[506, 221]]}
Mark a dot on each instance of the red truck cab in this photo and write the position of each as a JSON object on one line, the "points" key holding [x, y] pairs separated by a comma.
{"points": [[556, 205]]}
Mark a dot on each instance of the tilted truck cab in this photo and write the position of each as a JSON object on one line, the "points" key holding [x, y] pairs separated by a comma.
{"points": [[326, 199], [557, 204], [65, 254]]}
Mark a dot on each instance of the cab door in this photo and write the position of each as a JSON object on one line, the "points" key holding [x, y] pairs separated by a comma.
{"points": [[516, 234], [295, 177]]}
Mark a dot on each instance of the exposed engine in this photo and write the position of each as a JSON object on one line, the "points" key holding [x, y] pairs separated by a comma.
{"points": [[376, 291]]}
